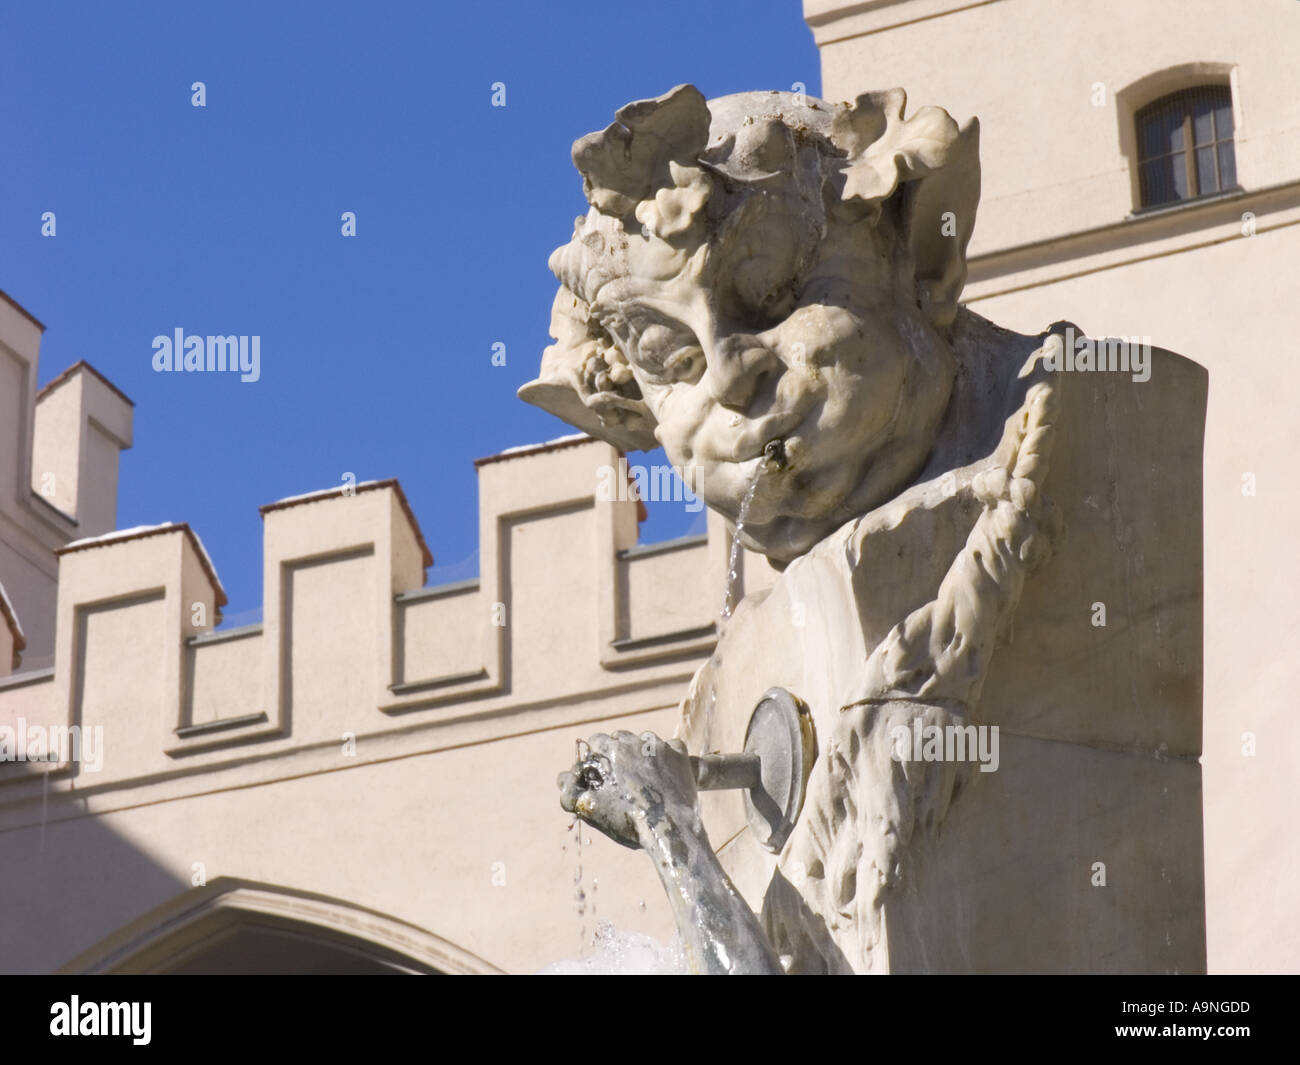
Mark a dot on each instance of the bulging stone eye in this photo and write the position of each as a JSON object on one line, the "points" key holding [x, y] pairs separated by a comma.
{"points": [[656, 343], [685, 364], [668, 351]]}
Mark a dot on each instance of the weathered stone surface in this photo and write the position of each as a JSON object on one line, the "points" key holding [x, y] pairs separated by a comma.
{"points": [[976, 535], [749, 271]]}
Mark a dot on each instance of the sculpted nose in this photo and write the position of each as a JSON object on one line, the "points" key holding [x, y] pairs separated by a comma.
{"points": [[736, 366]]}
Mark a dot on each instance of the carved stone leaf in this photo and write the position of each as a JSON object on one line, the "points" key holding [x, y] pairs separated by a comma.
{"points": [[885, 148], [624, 163]]}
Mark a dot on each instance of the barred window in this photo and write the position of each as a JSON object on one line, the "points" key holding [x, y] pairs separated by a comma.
{"points": [[1185, 146]]}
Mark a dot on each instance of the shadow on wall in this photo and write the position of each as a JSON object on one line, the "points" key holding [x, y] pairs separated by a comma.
{"points": [[87, 899], [76, 877]]}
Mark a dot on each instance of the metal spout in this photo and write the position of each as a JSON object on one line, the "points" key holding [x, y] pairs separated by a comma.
{"points": [[719, 772]]}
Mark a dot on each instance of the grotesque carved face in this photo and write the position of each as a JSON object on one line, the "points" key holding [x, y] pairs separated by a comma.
{"points": [[761, 286]]}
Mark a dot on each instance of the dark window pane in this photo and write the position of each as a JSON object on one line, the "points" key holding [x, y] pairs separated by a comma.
{"points": [[1203, 122], [1227, 166], [1205, 176], [1150, 136], [1160, 130], [1223, 120], [1164, 180], [1173, 124], [1192, 127]]}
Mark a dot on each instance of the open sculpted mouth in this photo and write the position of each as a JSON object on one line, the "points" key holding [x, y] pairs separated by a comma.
{"points": [[760, 481], [774, 457], [740, 438]]}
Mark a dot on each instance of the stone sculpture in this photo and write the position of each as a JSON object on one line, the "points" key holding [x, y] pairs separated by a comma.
{"points": [[767, 285]]}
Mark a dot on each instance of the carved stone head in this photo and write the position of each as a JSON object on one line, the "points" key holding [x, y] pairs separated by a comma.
{"points": [[766, 270]]}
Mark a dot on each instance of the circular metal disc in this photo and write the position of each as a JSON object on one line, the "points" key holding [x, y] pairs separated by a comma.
{"points": [[780, 733]]}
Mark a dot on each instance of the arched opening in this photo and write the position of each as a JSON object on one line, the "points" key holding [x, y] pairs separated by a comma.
{"points": [[245, 948], [233, 927]]}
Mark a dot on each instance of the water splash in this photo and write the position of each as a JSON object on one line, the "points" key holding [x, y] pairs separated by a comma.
{"points": [[619, 953], [733, 564]]}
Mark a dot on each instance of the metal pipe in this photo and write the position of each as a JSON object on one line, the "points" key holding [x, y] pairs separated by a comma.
{"points": [[718, 772]]}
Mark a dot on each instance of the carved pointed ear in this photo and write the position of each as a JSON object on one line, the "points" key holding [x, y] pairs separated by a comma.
{"points": [[626, 162], [941, 221], [937, 166]]}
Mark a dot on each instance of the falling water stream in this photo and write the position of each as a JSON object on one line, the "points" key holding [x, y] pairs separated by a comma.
{"points": [[729, 593], [579, 895], [584, 900], [623, 952], [733, 563]]}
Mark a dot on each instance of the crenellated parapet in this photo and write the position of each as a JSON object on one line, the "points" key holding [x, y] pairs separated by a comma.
{"points": [[352, 643], [59, 449]]}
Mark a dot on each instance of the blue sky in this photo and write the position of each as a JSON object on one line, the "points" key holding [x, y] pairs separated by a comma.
{"points": [[375, 350]]}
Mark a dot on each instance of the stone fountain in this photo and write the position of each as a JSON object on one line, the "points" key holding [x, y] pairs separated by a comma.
{"points": [[962, 731]]}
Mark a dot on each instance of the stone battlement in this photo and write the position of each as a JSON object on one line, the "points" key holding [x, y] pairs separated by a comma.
{"points": [[59, 450], [352, 643]]}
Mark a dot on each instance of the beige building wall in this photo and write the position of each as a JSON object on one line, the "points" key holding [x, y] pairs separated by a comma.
{"points": [[1055, 84], [368, 776]]}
